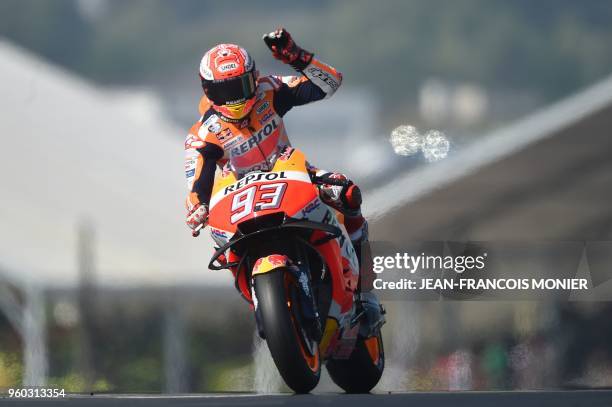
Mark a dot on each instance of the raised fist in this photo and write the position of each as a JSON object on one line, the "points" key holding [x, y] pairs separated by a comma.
{"points": [[285, 49]]}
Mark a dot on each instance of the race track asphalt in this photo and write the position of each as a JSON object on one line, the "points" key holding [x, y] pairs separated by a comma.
{"points": [[586, 398]]}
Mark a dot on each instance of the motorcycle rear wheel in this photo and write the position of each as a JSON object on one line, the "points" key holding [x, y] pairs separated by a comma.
{"points": [[296, 356], [363, 369]]}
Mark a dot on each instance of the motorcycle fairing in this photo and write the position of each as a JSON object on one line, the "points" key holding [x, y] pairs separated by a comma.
{"points": [[235, 202], [269, 263]]}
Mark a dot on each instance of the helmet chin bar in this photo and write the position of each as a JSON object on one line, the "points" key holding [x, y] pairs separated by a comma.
{"points": [[226, 112]]}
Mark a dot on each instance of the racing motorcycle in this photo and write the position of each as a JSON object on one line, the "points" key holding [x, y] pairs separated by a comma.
{"points": [[294, 263]]}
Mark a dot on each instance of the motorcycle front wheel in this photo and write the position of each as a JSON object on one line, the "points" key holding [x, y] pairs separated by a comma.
{"points": [[296, 355]]}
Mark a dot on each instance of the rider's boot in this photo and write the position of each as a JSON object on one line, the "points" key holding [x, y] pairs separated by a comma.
{"points": [[373, 311], [340, 193]]}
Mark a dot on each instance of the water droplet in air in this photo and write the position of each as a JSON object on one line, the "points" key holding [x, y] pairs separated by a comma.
{"points": [[406, 140], [435, 145]]}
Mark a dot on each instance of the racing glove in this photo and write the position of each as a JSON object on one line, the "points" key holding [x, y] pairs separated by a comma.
{"points": [[337, 190], [197, 219], [286, 50]]}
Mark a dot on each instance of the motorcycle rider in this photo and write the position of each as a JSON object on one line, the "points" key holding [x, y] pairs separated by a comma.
{"points": [[241, 111]]}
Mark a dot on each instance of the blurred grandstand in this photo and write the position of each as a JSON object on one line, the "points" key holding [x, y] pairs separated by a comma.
{"points": [[545, 178], [92, 197]]}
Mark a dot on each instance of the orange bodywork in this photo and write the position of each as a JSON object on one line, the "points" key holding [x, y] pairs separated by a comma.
{"points": [[286, 188], [291, 173]]}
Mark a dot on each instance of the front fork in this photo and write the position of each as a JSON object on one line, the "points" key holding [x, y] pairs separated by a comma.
{"points": [[309, 314]]}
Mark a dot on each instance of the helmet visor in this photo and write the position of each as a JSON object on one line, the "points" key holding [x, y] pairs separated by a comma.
{"points": [[232, 90]]}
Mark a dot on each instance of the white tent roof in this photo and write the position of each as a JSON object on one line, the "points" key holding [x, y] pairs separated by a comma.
{"points": [[493, 147], [70, 151]]}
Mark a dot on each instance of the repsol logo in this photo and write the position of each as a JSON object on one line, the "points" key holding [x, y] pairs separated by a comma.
{"points": [[255, 139], [259, 176]]}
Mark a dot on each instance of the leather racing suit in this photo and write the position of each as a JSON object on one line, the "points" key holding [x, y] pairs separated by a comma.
{"points": [[213, 139]]}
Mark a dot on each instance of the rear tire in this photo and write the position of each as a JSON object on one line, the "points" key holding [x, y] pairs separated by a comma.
{"points": [[362, 371], [295, 355]]}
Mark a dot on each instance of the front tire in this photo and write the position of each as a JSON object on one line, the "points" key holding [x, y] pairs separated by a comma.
{"points": [[363, 369], [296, 356]]}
